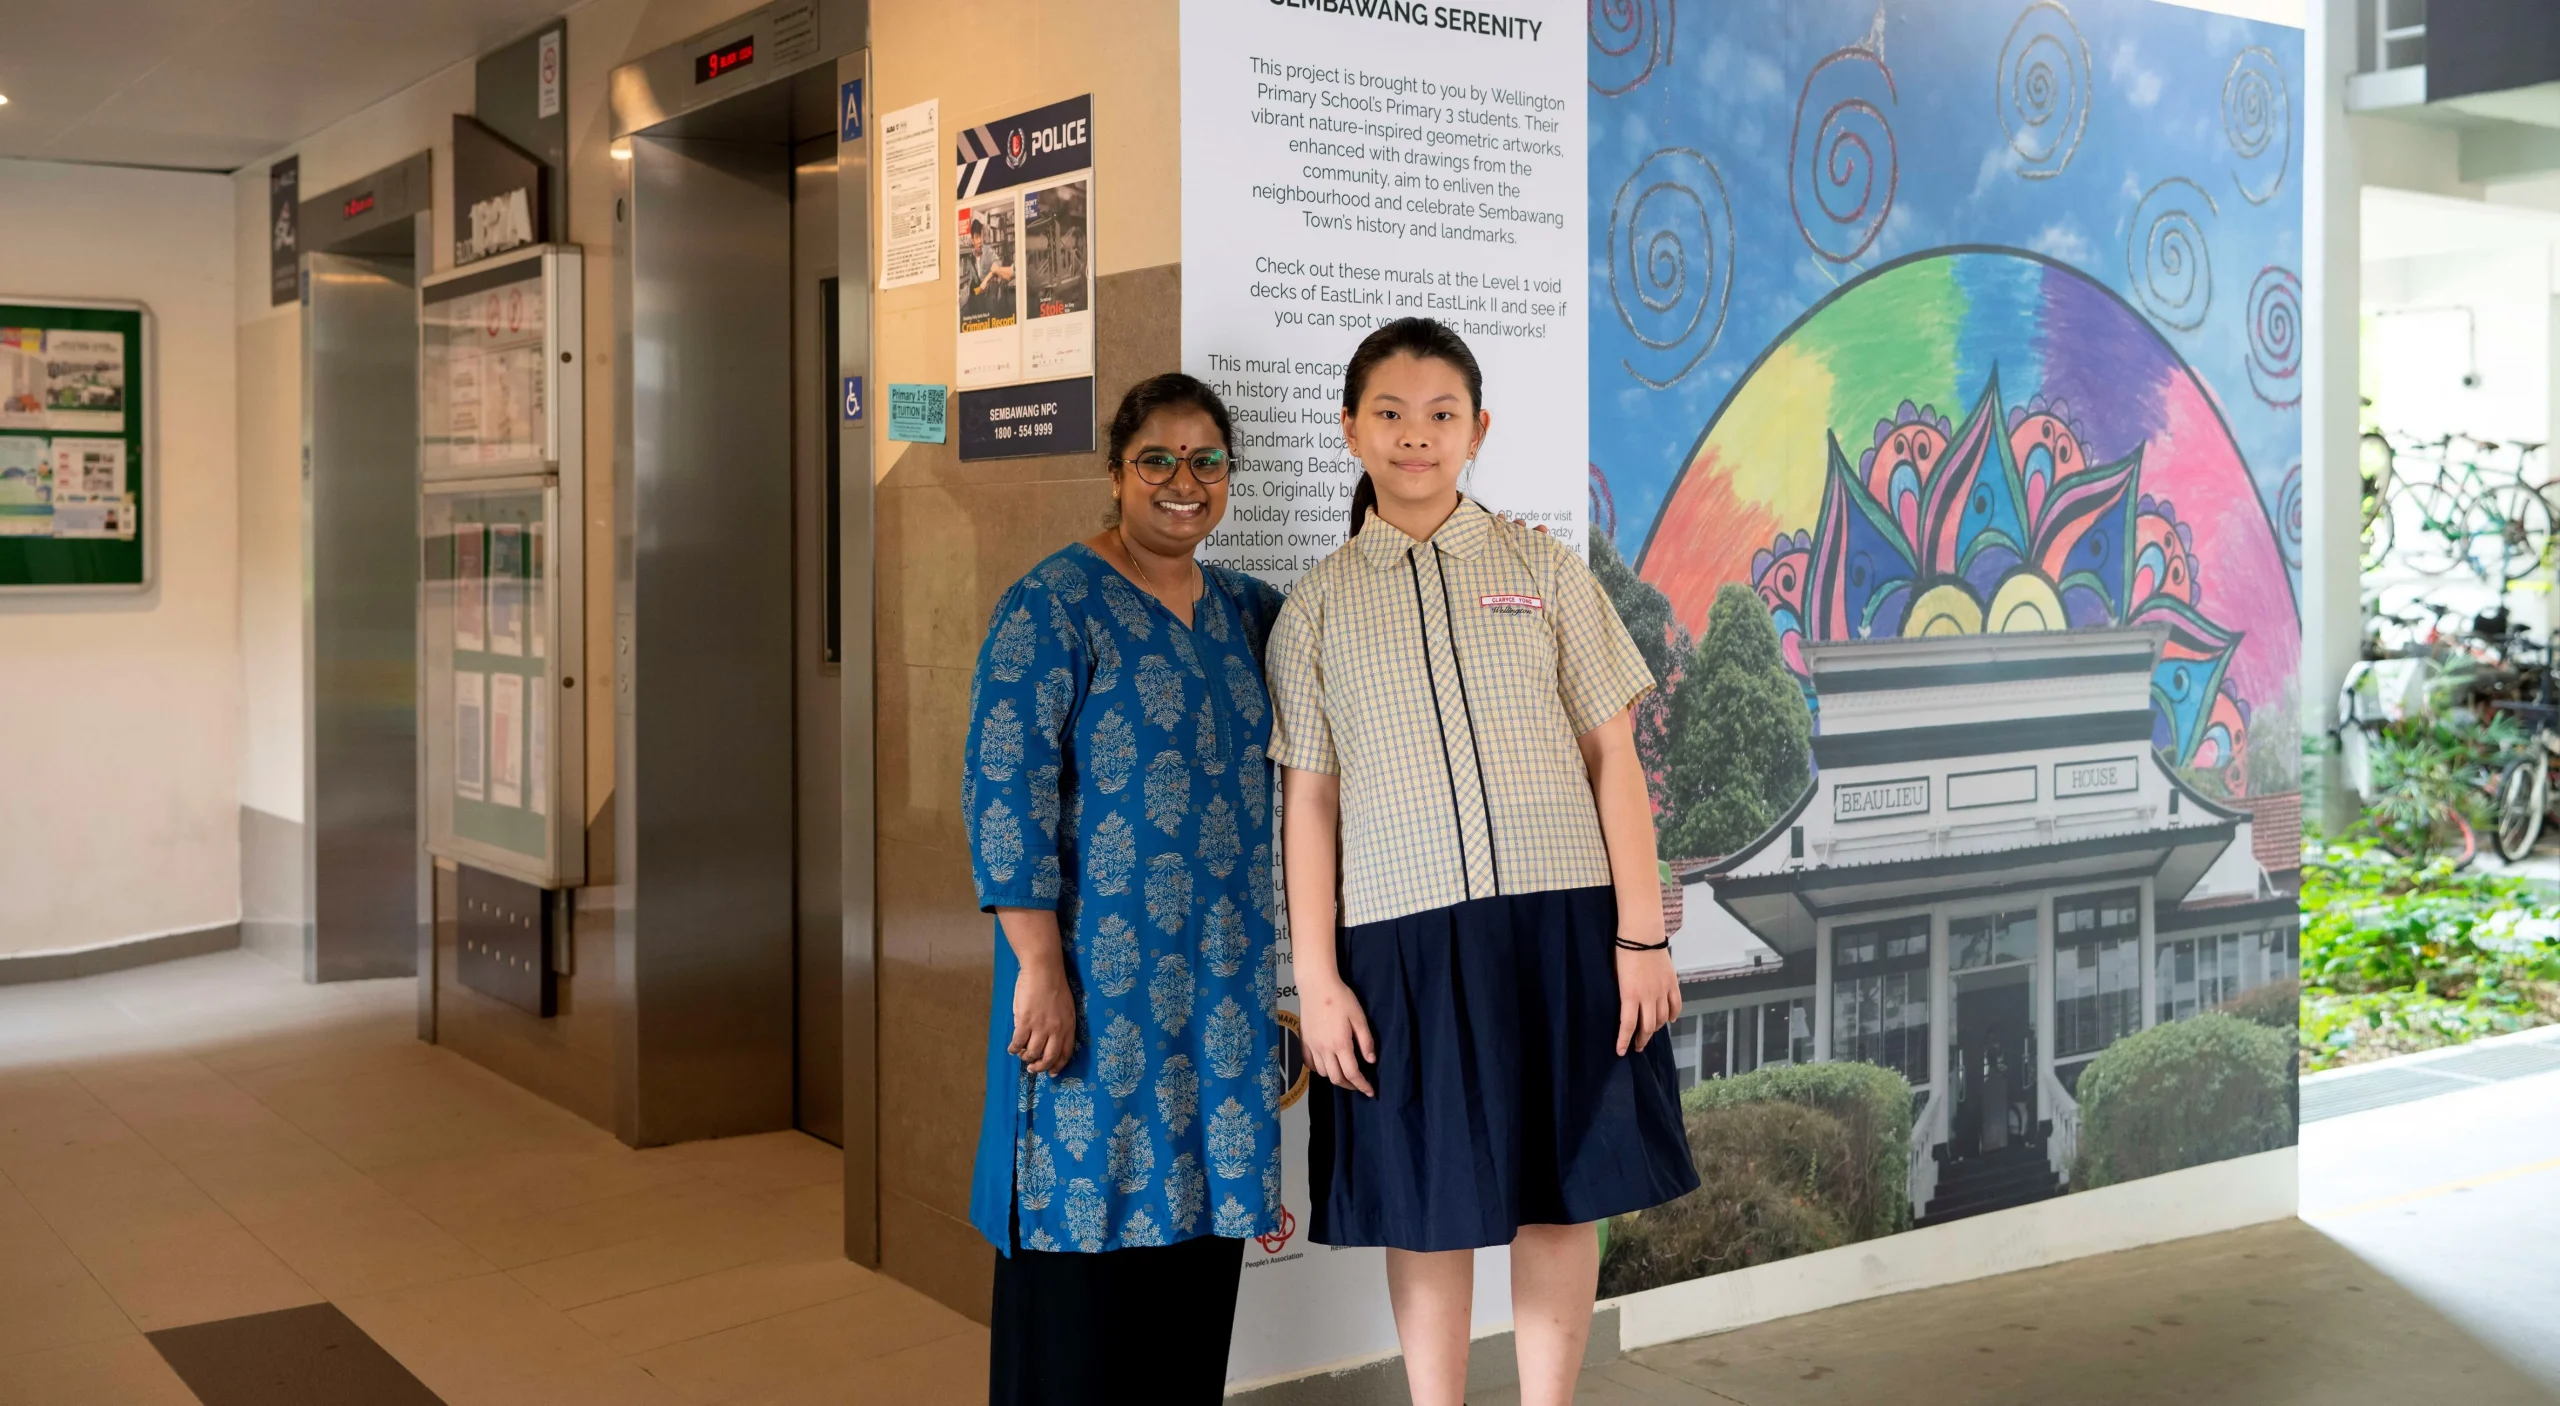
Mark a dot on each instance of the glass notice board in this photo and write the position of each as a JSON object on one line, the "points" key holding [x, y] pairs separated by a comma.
{"points": [[500, 409], [74, 440], [502, 716]]}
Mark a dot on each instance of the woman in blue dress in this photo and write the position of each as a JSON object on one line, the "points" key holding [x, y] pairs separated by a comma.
{"points": [[1119, 811]]}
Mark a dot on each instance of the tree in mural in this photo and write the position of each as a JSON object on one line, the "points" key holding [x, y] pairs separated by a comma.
{"points": [[1665, 647], [1741, 736]]}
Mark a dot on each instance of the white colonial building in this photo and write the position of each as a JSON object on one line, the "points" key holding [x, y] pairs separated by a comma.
{"points": [[1991, 878]]}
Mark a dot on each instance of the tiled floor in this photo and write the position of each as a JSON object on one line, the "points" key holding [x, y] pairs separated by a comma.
{"points": [[212, 1138], [199, 1142]]}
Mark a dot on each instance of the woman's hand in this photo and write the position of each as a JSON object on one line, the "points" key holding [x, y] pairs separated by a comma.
{"points": [[1648, 996], [1044, 1019], [1335, 1032]]}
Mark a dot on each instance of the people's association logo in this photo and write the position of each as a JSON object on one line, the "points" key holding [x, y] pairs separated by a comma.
{"points": [[1293, 1059], [1278, 1240], [1013, 150]]}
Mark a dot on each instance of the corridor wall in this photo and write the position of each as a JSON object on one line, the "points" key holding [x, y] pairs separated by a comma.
{"points": [[118, 773]]}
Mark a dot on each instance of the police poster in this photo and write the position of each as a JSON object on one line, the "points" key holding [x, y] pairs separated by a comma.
{"points": [[1022, 247]]}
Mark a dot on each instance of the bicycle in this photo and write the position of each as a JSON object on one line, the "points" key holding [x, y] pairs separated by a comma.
{"points": [[2524, 788], [2493, 522], [2374, 461]]}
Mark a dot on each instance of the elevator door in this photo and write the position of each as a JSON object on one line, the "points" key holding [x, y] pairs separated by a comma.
{"points": [[818, 749], [360, 526]]}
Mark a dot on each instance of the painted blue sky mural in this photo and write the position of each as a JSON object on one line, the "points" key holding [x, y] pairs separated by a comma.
{"points": [[1748, 159]]}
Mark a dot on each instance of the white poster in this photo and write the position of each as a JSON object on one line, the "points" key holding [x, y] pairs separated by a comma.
{"points": [[537, 749], [1369, 163], [1057, 280], [1343, 167], [92, 495], [506, 739], [470, 736], [21, 378], [988, 234], [84, 381], [910, 204]]}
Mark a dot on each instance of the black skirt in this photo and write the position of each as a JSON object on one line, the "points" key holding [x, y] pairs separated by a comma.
{"points": [[1502, 1099], [1148, 1324]]}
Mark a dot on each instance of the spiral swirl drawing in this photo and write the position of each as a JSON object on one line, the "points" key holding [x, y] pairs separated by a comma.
{"points": [[2289, 517], [1842, 167], [1629, 40], [1671, 261], [2275, 337], [2165, 258], [2257, 119], [2044, 89]]}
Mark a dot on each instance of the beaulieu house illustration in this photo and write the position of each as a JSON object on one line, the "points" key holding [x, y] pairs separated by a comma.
{"points": [[1992, 877]]}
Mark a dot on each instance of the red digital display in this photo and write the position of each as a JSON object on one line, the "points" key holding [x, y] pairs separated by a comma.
{"points": [[723, 59], [358, 205]]}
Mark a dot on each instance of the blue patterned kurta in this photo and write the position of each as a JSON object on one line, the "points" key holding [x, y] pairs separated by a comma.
{"points": [[1116, 774]]}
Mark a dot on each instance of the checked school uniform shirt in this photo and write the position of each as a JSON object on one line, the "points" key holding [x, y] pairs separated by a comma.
{"points": [[1448, 683]]}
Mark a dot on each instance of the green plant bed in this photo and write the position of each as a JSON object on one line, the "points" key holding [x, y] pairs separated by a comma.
{"points": [[2181, 1095], [2399, 956], [1790, 1160]]}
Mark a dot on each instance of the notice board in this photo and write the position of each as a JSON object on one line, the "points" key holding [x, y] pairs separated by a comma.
{"points": [[74, 445]]}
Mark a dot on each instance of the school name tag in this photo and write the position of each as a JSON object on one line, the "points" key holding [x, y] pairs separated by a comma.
{"points": [[1512, 605]]}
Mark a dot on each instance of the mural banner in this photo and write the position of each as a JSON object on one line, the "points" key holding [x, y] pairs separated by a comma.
{"points": [[1346, 164], [1941, 406], [1945, 452]]}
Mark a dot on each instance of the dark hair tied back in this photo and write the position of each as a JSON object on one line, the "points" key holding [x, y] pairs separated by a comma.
{"points": [[1172, 390], [1424, 338]]}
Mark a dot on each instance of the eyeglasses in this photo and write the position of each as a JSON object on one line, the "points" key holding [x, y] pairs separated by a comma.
{"points": [[1156, 468]]}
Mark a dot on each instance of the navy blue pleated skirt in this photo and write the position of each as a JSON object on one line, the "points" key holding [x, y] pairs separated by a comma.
{"points": [[1502, 1100]]}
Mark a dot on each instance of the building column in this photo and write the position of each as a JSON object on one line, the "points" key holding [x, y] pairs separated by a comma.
{"points": [[2332, 492]]}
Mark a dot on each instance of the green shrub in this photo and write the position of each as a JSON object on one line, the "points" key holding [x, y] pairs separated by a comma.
{"points": [[2181, 1095], [1790, 1160], [2276, 1005]]}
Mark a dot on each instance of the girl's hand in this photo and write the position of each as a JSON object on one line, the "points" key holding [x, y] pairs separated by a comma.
{"points": [[1648, 996], [1044, 1019], [1336, 1033]]}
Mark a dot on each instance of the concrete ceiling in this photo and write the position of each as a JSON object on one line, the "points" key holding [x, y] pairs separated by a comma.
{"points": [[217, 84]]}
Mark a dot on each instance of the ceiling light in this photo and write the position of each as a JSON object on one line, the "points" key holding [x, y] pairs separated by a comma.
{"points": [[4, 99], [619, 151]]}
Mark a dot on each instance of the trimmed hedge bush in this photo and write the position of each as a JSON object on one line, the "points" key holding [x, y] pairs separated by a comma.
{"points": [[2277, 1006], [1790, 1160], [2181, 1095]]}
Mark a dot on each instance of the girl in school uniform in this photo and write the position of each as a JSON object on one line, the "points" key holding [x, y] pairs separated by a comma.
{"points": [[1465, 814]]}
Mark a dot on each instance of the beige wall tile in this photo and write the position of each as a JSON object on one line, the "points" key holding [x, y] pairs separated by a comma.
{"points": [[939, 1253]]}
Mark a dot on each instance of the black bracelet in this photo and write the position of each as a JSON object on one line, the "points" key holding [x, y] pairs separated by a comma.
{"points": [[1625, 946]]}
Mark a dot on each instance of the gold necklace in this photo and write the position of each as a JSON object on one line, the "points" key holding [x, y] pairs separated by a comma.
{"points": [[1125, 550]]}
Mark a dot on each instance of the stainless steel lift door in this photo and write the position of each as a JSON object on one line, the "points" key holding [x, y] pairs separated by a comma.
{"points": [[816, 644], [359, 638]]}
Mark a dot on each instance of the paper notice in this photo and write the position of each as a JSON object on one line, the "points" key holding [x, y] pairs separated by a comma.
{"points": [[506, 739], [470, 736], [91, 497], [987, 233], [26, 487], [84, 381], [910, 195], [21, 378], [537, 758], [506, 589], [470, 589], [535, 565]]}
